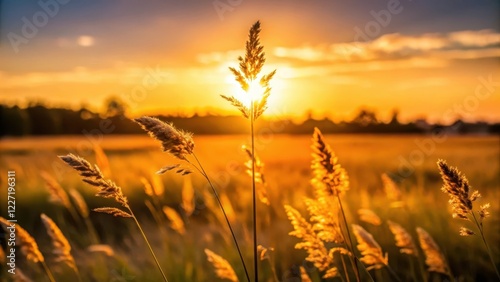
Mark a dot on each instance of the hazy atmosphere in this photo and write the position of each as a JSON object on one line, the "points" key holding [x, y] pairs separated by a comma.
{"points": [[250, 141]]}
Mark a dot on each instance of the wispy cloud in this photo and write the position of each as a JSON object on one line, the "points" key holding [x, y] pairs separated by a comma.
{"points": [[79, 75], [219, 57], [465, 44], [130, 76]]}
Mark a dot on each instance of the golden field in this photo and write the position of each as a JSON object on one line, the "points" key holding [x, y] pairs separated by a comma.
{"points": [[287, 170]]}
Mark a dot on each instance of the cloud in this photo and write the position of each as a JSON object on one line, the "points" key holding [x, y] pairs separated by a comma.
{"points": [[354, 67], [130, 76], [431, 82], [219, 57], [85, 40], [306, 53], [465, 44], [79, 75], [481, 38]]}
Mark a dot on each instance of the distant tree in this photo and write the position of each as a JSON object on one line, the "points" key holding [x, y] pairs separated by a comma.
{"points": [[365, 117], [44, 121], [309, 114], [394, 118], [14, 121], [114, 106]]}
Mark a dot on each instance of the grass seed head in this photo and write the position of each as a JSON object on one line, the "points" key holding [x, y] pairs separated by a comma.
{"points": [[93, 176], [57, 193], [434, 258], [174, 141], [113, 211], [316, 250], [457, 187], [369, 216], [370, 249], [250, 67], [28, 245], [61, 248], [329, 176], [176, 222], [403, 239], [222, 268]]}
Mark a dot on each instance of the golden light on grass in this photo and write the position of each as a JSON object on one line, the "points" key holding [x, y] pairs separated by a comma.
{"points": [[222, 268], [29, 247], [325, 220], [403, 239], [61, 249], [434, 258], [91, 174], [259, 175], [371, 251], [188, 196], [311, 243], [457, 186], [27, 244], [101, 248], [303, 275], [369, 216], [176, 222]]}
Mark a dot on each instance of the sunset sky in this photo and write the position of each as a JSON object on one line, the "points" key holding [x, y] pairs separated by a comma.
{"points": [[427, 58]]}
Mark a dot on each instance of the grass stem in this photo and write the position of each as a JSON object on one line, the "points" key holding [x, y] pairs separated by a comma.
{"points": [[202, 171], [345, 268], [350, 245], [480, 227], [254, 200], [48, 272], [393, 274], [147, 243]]}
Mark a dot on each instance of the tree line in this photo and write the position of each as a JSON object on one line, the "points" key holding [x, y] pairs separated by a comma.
{"points": [[38, 119]]}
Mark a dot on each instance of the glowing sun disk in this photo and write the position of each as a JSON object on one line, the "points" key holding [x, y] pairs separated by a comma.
{"points": [[254, 93]]}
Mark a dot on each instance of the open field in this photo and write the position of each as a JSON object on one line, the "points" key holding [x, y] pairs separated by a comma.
{"points": [[409, 160]]}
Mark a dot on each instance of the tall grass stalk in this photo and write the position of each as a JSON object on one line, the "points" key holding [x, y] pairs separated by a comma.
{"points": [[108, 189], [180, 144], [81, 206], [254, 196], [265, 254], [457, 186], [257, 92], [480, 228], [29, 247], [149, 245], [345, 268], [331, 180], [349, 240], [47, 271]]}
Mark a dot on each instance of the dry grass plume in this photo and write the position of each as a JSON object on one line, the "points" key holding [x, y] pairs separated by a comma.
{"points": [[174, 141], [222, 268], [311, 243], [403, 239], [434, 258], [371, 251], [61, 249]]}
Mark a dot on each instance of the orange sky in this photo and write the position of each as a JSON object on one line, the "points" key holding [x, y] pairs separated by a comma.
{"points": [[439, 61]]}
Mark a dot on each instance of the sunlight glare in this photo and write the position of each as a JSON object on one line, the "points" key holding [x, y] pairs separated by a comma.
{"points": [[276, 105], [254, 93]]}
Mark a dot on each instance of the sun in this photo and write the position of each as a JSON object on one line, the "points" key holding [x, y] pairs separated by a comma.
{"points": [[255, 92], [283, 92]]}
